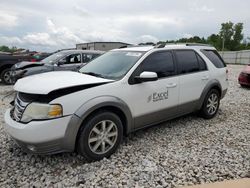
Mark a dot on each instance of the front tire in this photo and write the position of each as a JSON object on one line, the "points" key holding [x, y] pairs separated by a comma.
{"points": [[211, 104], [6, 76], [100, 136]]}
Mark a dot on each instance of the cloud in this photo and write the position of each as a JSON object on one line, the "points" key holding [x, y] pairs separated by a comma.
{"points": [[56, 37], [204, 8], [8, 19], [147, 38], [50, 25], [187, 35], [41, 39], [62, 35], [197, 7], [10, 40], [81, 11]]}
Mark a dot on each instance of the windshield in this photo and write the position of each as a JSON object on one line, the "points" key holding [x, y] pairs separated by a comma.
{"points": [[112, 65], [52, 58]]}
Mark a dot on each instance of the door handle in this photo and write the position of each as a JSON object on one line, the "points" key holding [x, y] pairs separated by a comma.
{"points": [[171, 85], [205, 78]]}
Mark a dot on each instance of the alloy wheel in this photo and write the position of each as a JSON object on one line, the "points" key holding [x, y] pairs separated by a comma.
{"points": [[7, 77], [212, 104], [103, 137]]}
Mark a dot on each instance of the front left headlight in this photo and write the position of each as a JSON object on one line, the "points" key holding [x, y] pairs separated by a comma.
{"points": [[38, 111]]}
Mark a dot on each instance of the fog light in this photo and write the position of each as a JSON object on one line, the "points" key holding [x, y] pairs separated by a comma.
{"points": [[31, 148]]}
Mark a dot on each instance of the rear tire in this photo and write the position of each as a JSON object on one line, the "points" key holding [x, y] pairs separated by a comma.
{"points": [[100, 136], [211, 104], [6, 76]]}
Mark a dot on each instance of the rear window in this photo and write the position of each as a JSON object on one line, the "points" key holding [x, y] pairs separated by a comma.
{"points": [[214, 57]]}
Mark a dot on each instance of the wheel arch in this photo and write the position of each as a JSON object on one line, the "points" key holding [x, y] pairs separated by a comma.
{"points": [[5, 66], [212, 84], [107, 103]]}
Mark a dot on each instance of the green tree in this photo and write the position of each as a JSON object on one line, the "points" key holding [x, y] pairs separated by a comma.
{"points": [[5, 49], [214, 40], [238, 36], [231, 36]]}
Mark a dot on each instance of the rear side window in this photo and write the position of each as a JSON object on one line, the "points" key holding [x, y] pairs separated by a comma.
{"points": [[187, 61], [88, 57], [202, 63], [160, 62], [214, 57]]}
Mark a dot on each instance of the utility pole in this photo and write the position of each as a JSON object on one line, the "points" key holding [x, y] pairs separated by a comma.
{"points": [[223, 42]]}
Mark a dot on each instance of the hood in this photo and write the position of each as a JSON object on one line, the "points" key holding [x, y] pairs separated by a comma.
{"points": [[27, 64], [47, 82]]}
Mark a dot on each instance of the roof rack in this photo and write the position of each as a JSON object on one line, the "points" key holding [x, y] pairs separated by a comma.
{"points": [[197, 44], [187, 44]]}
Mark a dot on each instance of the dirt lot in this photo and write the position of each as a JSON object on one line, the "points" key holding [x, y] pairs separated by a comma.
{"points": [[184, 151]]}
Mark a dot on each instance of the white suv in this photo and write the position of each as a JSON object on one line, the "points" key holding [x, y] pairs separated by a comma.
{"points": [[119, 92]]}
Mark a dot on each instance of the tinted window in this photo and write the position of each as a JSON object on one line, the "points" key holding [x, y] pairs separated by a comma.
{"points": [[88, 57], [161, 62], [214, 57], [73, 58], [187, 61], [201, 63]]}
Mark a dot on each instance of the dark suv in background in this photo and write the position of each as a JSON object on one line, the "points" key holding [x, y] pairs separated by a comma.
{"points": [[64, 60], [8, 60]]}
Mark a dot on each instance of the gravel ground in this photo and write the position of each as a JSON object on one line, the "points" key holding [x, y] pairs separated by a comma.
{"points": [[184, 151]]}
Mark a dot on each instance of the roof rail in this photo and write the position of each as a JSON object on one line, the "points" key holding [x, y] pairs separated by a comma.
{"points": [[162, 45], [197, 44]]}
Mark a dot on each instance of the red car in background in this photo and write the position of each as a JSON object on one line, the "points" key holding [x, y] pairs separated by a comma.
{"points": [[244, 77]]}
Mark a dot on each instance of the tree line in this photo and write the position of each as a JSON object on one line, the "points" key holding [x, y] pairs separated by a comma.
{"points": [[229, 38]]}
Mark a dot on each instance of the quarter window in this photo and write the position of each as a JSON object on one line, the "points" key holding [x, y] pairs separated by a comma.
{"points": [[160, 62], [214, 57], [88, 57], [187, 61]]}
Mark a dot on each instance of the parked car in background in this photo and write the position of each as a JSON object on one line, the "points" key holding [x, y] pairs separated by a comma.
{"points": [[244, 77], [64, 60], [7, 61]]}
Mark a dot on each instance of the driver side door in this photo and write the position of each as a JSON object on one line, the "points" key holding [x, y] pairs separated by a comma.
{"points": [[155, 101], [70, 62]]}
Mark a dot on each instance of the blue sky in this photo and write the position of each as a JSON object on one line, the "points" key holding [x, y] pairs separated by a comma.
{"points": [[49, 25]]}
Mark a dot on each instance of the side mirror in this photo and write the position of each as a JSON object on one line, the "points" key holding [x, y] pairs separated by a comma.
{"points": [[61, 62], [146, 77]]}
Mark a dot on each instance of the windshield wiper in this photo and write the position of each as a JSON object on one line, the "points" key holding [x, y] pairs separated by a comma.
{"points": [[94, 74]]}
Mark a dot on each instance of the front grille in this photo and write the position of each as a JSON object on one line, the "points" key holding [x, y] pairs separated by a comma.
{"points": [[19, 107]]}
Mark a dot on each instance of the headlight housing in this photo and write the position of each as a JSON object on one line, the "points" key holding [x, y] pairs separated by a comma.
{"points": [[19, 72], [39, 111]]}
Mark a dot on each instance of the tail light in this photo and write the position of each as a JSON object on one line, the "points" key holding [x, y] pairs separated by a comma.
{"points": [[33, 60]]}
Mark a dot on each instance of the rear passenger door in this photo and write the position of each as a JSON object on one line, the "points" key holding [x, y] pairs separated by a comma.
{"points": [[193, 77]]}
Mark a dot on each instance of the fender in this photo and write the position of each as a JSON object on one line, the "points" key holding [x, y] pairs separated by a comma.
{"points": [[208, 87], [86, 109]]}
